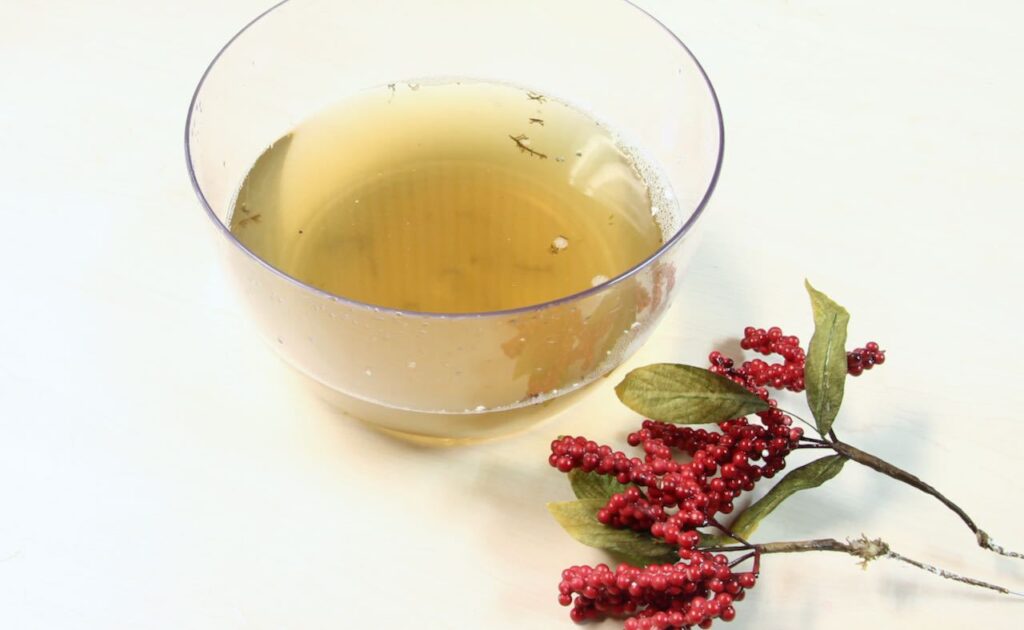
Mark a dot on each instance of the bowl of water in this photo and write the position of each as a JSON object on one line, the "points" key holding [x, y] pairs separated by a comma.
{"points": [[451, 216]]}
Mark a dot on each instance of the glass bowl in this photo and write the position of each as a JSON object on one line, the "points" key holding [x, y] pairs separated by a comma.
{"points": [[468, 375]]}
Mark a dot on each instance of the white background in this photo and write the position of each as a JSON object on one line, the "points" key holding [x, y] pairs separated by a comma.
{"points": [[160, 468]]}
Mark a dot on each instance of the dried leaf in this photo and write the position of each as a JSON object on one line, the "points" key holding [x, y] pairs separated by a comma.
{"points": [[806, 477], [825, 371], [685, 394], [591, 485], [579, 518]]}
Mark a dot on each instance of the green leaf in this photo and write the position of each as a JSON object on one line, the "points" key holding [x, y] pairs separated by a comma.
{"points": [[579, 518], [591, 485], [825, 372], [804, 478], [685, 394]]}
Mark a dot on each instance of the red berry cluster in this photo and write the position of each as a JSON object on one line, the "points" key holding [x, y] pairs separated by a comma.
{"points": [[789, 374], [693, 592], [723, 465], [786, 375], [864, 359], [671, 500]]}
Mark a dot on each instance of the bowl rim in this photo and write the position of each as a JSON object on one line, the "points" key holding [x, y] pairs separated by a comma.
{"points": [[572, 297]]}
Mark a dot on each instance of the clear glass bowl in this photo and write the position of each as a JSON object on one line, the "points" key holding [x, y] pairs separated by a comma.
{"points": [[475, 375]]}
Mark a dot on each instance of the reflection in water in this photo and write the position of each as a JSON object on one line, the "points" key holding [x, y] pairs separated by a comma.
{"points": [[568, 344]]}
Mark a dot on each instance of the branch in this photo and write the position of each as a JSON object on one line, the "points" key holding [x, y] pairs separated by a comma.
{"points": [[865, 549], [866, 459]]}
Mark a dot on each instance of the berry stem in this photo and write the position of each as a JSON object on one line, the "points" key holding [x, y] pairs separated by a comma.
{"points": [[867, 550], [806, 438], [725, 530], [742, 559], [884, 467]]}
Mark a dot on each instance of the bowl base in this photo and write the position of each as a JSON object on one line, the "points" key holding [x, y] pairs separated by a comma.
{"points": [[444, 429]]}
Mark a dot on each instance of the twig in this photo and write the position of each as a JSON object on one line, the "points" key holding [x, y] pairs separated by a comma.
{"points": [[521, 141], [866, 459], [865, 549]]}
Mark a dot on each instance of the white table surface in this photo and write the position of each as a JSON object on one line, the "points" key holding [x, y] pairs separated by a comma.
{"points": [[161, 468]]}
